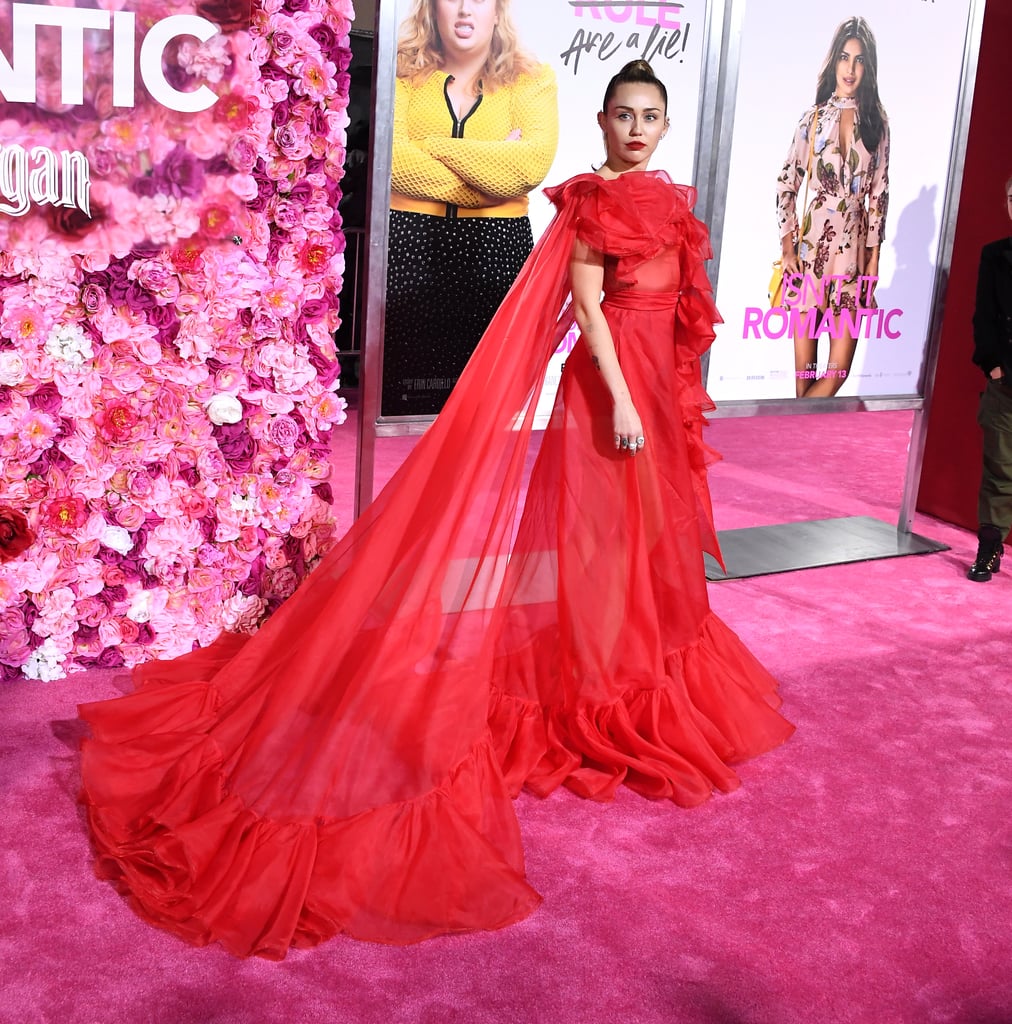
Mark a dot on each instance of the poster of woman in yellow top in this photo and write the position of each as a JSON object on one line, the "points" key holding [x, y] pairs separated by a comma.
{"points": [[475, 130]]}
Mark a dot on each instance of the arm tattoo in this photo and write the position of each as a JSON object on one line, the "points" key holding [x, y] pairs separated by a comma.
{"points": [[596, 362]]}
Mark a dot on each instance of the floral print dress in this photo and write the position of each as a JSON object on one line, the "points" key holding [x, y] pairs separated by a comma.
{"points": [[847, 201]]}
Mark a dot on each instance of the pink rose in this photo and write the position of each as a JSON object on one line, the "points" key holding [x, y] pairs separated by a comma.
{"points": [[284, 431], [65, 514], [281, 582]]}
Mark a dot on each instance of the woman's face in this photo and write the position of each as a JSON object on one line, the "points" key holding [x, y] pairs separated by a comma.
{"points": [[633, 124], [849, 68], [466, 27], [1008, 201]]}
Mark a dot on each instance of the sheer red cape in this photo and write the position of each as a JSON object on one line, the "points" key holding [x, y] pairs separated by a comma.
{"points": [[350, 767]]}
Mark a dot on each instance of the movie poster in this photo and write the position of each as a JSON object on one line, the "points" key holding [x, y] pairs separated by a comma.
{"points": [[446, 279], [877, 178]]}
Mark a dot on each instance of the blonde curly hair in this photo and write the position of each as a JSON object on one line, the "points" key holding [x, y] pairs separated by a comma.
{"points": [[420, 50]]}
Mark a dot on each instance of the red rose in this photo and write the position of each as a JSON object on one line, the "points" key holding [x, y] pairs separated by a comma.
{"points": [[15, 533]]}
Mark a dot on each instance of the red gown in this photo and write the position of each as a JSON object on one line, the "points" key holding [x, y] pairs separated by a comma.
{"points": [[350, 767]]}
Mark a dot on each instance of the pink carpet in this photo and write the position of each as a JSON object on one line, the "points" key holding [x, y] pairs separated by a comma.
{"points": [[863, 873]]}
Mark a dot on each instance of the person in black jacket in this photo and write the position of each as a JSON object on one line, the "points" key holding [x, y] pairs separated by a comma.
{"points": [[992, 338]]}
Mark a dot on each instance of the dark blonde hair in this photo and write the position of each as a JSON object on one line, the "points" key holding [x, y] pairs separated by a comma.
{"points": [[638, 72], [868, 104], [420, 50]]}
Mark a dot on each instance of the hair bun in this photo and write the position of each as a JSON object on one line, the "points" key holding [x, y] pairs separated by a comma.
{"points": [[639, 66], [635, 72]]}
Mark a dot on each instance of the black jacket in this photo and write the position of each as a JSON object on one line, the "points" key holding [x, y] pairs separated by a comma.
{"points": [[992, 315]]}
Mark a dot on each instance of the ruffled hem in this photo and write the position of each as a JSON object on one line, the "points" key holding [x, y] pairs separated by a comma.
{"points": [[670, 739], [194, 859]]}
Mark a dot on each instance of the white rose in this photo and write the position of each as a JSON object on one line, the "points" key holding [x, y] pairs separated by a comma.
{"points": [[45, 663], [12, 368], [140, 607], [224, 409], [69, 343], [117, 538]]}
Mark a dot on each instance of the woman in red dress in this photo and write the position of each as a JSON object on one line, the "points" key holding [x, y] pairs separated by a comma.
{"points": [[350, 767]]}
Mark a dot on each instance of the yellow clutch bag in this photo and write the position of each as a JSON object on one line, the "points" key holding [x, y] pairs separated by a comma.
{"points": [[776, 288]]}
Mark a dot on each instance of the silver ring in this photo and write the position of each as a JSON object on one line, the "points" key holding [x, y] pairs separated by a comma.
{"points": [[640, 441], [624, 443]]}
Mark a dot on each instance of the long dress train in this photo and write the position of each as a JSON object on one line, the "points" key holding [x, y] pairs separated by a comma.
{"points": [[350, 767]]}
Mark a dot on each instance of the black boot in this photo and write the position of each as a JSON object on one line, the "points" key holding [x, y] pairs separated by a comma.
{"points": [[989, 551]]}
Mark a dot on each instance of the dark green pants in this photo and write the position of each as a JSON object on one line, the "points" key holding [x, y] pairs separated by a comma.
{"points": [[994, 502]]}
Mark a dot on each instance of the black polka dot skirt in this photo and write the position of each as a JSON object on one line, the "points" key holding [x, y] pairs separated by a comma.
{"points": [[445, 279]]}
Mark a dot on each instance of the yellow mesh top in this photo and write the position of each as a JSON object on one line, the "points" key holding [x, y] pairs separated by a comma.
{"points": [[483, 168]]}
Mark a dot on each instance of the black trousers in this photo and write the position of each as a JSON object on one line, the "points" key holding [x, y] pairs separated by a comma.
{"points": [[994, 500]]}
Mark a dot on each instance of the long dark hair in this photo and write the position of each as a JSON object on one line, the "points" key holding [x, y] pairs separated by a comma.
{"points": [[868, 104], [638, 71]]}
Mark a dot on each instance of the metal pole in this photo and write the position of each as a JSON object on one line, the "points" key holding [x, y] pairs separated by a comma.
{"points": [[378, 221], [918, 433]]}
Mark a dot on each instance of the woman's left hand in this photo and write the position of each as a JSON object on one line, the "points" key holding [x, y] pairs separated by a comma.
{"points": [[628, 428], [870, 269]]}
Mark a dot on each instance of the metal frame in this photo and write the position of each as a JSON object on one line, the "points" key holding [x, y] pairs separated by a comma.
{"points": [[722, 50], [724, 96], [919, 431]]}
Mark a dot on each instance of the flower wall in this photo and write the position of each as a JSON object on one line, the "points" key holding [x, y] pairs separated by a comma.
{"points": [[168, 375]]}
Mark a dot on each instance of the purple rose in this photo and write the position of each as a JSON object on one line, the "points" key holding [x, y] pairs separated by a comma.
{"points": [[323, 35], [301, 191], [282, 113], [274, 245], [46, 398], [180, 175], [228, 15], [314, 310], [109, 658], [236, 446], [341, 57], [92, 298], [295, 6], [325, 492], [282, 41], [86, 634], [217, 165], [138, 298], [251, 586]]}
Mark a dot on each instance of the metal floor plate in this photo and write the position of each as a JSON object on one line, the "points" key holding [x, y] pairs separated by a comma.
{"points": [[785, 547]]}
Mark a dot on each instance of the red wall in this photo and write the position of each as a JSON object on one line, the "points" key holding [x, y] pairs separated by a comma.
{"points": [[951, 471]]}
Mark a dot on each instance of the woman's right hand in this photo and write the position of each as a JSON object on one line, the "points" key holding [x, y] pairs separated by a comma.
{"points": [[789, 256]]}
